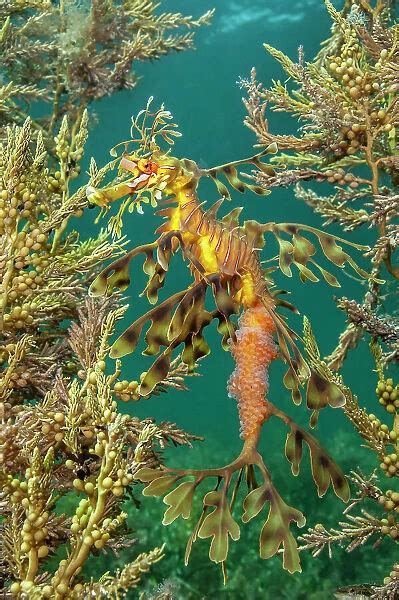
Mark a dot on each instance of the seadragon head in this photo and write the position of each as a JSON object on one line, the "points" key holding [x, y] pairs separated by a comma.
{"points": [[141, 180], [146, 171]]}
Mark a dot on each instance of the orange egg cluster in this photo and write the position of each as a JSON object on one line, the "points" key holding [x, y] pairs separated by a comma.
{"points": [[253, 352]]}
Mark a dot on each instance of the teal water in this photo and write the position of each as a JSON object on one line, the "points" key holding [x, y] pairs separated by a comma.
{"points": [[199, 87]]}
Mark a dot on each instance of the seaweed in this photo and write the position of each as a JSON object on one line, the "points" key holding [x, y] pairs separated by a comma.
{"points": [[63, 441], [347, 105], [65, 55]]}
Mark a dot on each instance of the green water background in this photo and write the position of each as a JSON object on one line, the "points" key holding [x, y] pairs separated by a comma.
{"points": [[200, 89]]}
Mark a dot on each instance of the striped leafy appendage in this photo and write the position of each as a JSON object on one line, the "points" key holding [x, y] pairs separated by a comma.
{"points": [[299, 252], [298, 370], [218, 525], [230, 172], [276, 530], [116, 275], [324, 386], [179, 502], [324, 470], [178, 320]]}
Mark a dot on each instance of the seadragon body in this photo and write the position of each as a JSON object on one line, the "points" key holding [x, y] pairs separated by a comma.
{"points": [[224, 257], [216, 251]]}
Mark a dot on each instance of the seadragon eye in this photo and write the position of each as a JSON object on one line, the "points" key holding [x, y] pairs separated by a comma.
{"points": [[153, 167], [147, 166]]}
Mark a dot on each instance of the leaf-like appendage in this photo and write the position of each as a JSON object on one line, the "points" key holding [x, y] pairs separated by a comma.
{"points": [[328, 277], [303, 250], [222, 189], [255, 233], [156, 373], [224, 302], [116, 275], [171, 329], [285, 256], [324, 469], [276, 532], [298, 370], [163, 256], [322, 390], [231, 219], [179, 502], [155, 282], [160, 485], [167, 244], [230, 172], [146, 474], [334, 253], [306, 274], [321, 393], [219, 525], [226, 330], [195, 296], [293, 450], [157, 333], [292, 383], [196, 347], [254, 502]]}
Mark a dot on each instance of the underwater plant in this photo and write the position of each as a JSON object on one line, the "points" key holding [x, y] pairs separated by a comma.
{"points": [[61, 434], [66, 54], [43, 271], [223, 257], [67, 455], [347, 103], [73, 444]]}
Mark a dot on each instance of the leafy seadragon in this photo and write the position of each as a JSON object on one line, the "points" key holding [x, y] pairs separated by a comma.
{"points": [[223, 256]]}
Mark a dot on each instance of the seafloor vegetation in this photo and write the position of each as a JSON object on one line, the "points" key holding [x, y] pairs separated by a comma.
{"points": [[74, 523]]}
